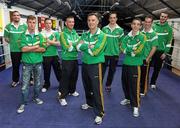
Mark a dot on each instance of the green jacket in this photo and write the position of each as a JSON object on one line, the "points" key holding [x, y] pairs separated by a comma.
{"points": [[152, 41], [133, 48], [51, 50], [165, 36], [30, 40], [114, 39], [66, 37], [96, 54], [14, 35]]}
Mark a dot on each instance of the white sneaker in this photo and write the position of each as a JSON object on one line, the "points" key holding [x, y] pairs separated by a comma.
{"points": [[21, 108], [38, 101], [63, 102], [75, 94], [135, 111], [142, 94], [98, 120], [85, 106], [14, 84], [43, 90], [125, 102], [153, 86]]}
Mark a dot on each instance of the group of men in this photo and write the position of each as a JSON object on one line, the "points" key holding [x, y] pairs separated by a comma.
{"points": [[99, 48]]}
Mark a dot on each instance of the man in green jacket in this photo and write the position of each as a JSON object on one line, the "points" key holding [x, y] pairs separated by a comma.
{"points": [[165, 35], [133, 48], [114, 37], [12, 34], [50, 56], [92, 45], [68, 39], [32, 45], [149, 50]]}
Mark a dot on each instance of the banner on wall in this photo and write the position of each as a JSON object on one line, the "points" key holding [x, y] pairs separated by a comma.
{"points": [[1, 21]]}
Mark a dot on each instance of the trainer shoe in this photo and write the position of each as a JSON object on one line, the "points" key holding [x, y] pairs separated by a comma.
{"points": [[75, 94], [125, 102], [21, 108], [14, 84], [153, 86], [108, 88], [63, 102], [85, 106], [98, 120], [142, 94], [135, 111], [38, 101], [43, 90]]}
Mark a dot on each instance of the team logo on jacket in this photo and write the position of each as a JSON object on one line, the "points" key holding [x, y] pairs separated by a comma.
{"points": [[137, 40], [37, 37], [165, 30]]}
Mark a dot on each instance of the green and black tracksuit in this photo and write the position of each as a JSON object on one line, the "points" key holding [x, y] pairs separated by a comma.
{"points": [[69, 56], [112, 51], [152, 41], [14, 34], [92, 59], [51, 58], [165, 35], [132, 47]]}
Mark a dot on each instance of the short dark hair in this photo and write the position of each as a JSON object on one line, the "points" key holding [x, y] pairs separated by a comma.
{"points": [[47, 19], [113, 12], [150, 17], [97, 15], [31, 17], [15, 12], [69, 16], [138, 20]]}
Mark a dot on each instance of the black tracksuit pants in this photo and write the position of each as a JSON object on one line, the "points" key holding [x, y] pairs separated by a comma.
{"points": [[144, 77], [112, 62], [131, 84], [157, 63], [49, 61], [92, 81], [16, 61], [69, 77]]}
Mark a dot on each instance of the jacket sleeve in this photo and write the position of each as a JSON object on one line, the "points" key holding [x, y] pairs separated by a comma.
{"points": [[6, 32], [169, 40], [99, 46], [63, 40]]}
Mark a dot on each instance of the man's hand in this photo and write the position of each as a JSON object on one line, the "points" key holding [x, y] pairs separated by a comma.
{"points": [[91, 46], [163, 56]]}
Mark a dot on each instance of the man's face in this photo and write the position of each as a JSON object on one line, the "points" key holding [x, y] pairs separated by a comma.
{"points": [[16, 17], [163, 18], [147, 23], [70, 23], [31, 24], [136, 25], [113, 19], [92, 22], [48, 24]]}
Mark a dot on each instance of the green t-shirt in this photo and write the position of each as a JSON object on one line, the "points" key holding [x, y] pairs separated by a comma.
{"points": [[152, 41], [51, 50], [96, 54], [14, 35], [114, 39], [165, 35], [69, 52], [30, 40], [133, 48]]}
